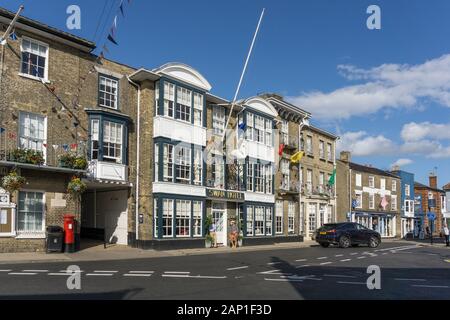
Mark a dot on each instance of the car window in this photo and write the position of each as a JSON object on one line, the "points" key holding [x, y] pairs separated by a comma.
{"points": [[350, 226]]}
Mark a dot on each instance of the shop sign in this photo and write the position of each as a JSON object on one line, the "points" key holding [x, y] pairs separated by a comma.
{"points": [[225, 194]]}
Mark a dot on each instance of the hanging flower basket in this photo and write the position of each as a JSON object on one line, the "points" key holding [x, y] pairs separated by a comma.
{"points": [[76, 187], [13, 182]]}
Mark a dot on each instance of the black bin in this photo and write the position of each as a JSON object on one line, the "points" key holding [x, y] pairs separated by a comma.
{"points": [[54, 239]]}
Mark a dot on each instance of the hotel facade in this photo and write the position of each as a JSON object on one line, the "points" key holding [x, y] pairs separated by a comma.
{"points": [[163, 153]]}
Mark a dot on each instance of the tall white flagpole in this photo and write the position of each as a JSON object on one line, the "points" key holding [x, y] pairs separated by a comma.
{"points": [[243, 72], [11, 25]]}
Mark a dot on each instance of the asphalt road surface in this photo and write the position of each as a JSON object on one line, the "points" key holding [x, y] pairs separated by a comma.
{"points": [[407, 271]]}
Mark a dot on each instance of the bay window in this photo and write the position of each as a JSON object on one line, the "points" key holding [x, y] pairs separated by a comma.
{"points": [[249, 221], [285, 179], [291, 217], [167, 215], [269, 218], [197, 218], [259, 179], [182, 164], [269, 177], [183, 218], [259, 221], [259, 129], [169, 99], [198, 166], [218, 172], [95, 136], [168, 162], [184, 103], [198, 109], [250, 168], [112, 141], [156, 153], [250, 126], [268, 131]]}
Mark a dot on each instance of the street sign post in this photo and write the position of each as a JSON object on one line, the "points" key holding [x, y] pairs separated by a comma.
{"points": [[431, 217]]}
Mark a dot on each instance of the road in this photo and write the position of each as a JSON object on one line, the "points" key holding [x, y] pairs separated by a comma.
{"points": [[408, 271]]}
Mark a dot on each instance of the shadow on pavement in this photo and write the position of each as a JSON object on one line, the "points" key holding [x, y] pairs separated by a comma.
{"points": [[111, 295]]}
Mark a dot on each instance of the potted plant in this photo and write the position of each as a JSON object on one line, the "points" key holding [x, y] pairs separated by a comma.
{"points": [[34, 157], [17, 155], [66, 160], [13, 182], [208, 238], [80, 163], [76, 187]]}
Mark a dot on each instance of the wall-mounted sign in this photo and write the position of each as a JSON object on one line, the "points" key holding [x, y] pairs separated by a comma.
{"points": [[224, 194]]}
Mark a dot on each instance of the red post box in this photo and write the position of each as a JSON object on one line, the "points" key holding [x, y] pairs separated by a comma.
{"points": [[69, 233]]}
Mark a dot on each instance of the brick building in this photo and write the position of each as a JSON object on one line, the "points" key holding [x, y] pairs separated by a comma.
{"points": [[431, 201], [369, 196]]}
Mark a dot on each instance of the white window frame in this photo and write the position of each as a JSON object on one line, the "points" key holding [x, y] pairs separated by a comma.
{"points": [[183, 214], [383, 184], [329, 152], [168, 160], [32, 234], [394, 203], [284, 131], [218, 120], [29, 139], [168, 217], [250, 174], [259, 178], [198, 166], [250, 222], [407, 190], [358, 180], [268, 133], [169, 99], [279, 217], [322, 149], [112, 83], [198, 109], [394, 185], [39, 43], [197, 218], [371, 201], [269, 221], [182, 164], [285, 174], [260, 220], [184, 105], [371, 182], [291, 217], [268, 173], [115, 141]]}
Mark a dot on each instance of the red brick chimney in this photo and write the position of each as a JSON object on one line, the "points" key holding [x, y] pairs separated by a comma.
{"points": [[433, 181]]}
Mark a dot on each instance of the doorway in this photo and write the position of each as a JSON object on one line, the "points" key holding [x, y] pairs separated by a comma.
{"points": [[219, 216]]}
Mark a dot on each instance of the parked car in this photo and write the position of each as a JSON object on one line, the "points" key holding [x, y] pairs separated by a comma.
{"points": [[347, 234]]}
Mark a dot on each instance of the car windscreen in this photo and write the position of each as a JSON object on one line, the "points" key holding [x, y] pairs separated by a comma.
{"points": [[329, 226]]}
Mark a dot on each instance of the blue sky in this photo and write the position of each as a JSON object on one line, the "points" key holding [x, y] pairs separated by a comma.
{"points": [[385, 92]]}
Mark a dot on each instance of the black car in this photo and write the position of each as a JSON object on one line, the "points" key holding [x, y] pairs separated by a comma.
{"points": [[347, 234]]}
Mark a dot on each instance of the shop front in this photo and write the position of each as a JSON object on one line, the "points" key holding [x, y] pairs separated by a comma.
{"points": [[377, 221]]}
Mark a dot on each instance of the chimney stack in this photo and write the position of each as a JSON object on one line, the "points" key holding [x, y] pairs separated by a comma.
{"points": [[396, 168], [346, 156], [433, 180]]}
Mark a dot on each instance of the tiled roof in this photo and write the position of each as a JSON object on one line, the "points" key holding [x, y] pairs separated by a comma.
{"points": [[446, 187], [361, 168], [422, 186]]}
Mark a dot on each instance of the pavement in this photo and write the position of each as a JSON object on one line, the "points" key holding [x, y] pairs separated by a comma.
{"points": [[407, 271], [95, 251]]}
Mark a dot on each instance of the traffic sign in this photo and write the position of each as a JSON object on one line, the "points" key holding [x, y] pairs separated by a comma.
{"points": [[431, 216]]}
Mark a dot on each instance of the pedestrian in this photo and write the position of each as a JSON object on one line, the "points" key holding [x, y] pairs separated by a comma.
{"points": [[233, 234], [212, 232], [445, 231], [427, 231]]}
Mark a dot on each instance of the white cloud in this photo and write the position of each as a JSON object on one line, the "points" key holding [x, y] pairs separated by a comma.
{"points": [[361, 144], [418, 131], [402, 162], [385, 86]]}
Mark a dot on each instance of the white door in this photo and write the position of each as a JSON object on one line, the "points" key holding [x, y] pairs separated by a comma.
{"points": [[113, 207], [219, 219]]}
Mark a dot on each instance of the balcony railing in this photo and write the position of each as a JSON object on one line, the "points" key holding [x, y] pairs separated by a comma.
{"points": [[290, 142]]}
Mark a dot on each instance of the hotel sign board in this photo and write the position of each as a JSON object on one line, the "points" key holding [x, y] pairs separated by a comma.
{"points": [[225, 194]]}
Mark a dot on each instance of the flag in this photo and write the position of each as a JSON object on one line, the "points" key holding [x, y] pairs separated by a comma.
{"points": [[384, 203], [65, 147], [332, 179], [110, 38], [13, 36], [280, 149], [121, 8], [55, 147], [354, 203], [2, 130], [297, 157], [243, 126]]}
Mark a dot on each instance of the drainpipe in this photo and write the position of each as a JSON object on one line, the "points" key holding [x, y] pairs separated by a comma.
{"points": [[137, 154]]}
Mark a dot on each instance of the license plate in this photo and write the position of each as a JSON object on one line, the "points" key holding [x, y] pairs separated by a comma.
{"points": [[323, 232]]}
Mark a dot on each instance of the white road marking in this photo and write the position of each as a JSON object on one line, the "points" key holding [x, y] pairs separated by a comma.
{"points": [[339, 255], [237, 268], [324, 263], [321, 258], [6, 270], [72, 271], [189, 276], [176, 272], [353, 253], [338, 276], [384, 253], [344, 260], [276, 271], [402, 279], [137, 275], [59, 274], [22, 273], [396, 248], [99, 274], [300, 260], [34, 270], [361, 258], [302, 266], [105, 271], [427, 286], [294, 277], [284, 280], [272, 263], [349, 282], [141, 272]]}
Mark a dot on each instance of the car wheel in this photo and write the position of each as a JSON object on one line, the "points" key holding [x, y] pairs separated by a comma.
{"points": [[325, 244], [344, 242], [374, 242]]}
